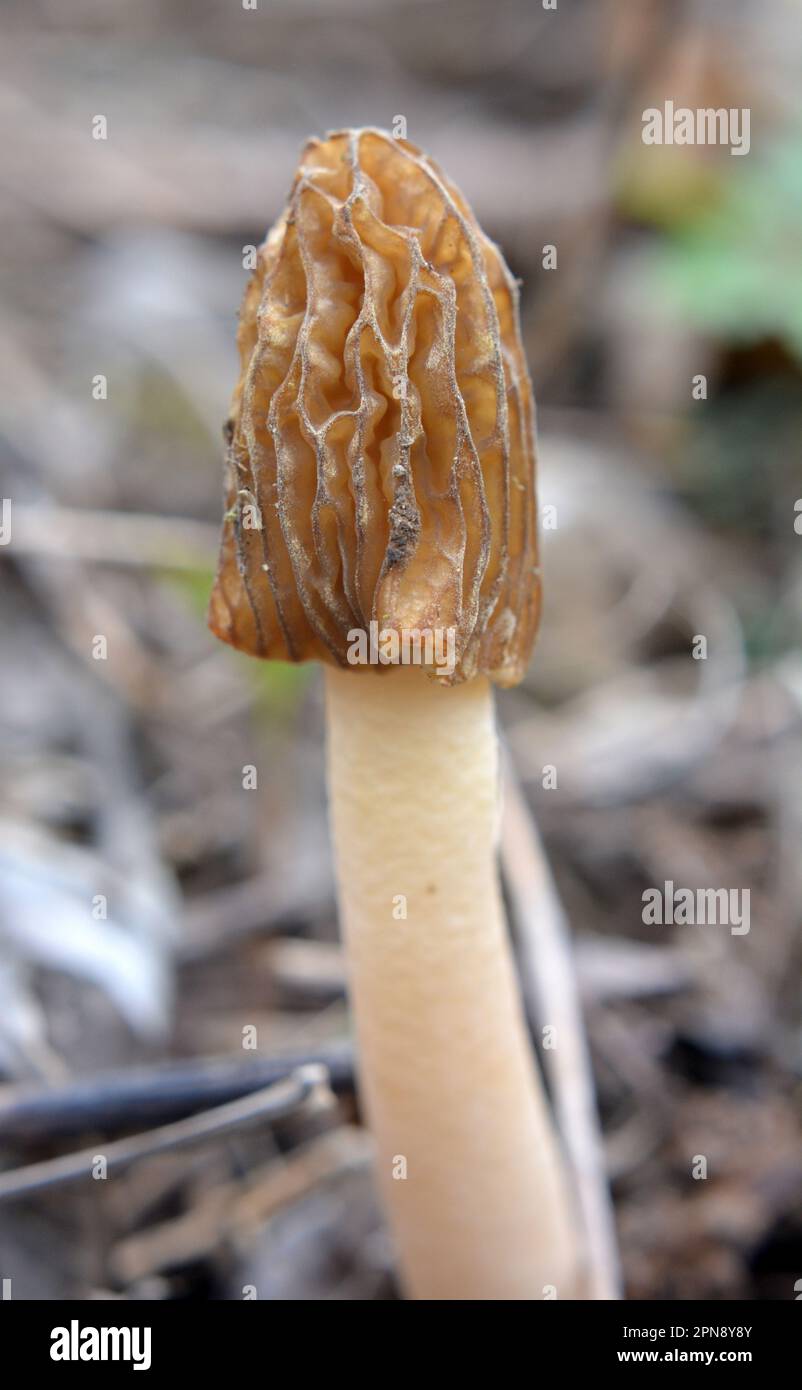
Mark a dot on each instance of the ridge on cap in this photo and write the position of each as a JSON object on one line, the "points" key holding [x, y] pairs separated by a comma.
{"points": [[380, 447]]}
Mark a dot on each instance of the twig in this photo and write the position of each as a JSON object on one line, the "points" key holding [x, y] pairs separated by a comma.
{"points": [[234, 1210], [223, 918], [147, 1095], [550, 989], [271, 1103], [114, 538]]}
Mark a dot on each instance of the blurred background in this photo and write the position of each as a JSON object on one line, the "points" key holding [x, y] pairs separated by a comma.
{"points": [[167, 939]]}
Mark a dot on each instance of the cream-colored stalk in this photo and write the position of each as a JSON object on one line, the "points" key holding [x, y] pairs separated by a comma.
{"points": [[468, 1164]]}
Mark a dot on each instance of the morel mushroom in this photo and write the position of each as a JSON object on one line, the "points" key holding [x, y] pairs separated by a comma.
{"points": [[380, 480]]}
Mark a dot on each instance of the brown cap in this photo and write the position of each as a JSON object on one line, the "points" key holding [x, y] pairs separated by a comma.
{"points": [[380, 464]]}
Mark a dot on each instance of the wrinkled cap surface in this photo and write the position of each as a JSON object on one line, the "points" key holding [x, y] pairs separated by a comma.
{"points": [[380, 464]]}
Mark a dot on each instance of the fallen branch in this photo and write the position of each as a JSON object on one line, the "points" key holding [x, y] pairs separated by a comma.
{"points": [[116, 1100], [236, 1210], [271, 1103], [550, 990]]}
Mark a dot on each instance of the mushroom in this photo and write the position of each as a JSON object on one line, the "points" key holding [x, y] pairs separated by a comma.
{"points": [[380, 516]]}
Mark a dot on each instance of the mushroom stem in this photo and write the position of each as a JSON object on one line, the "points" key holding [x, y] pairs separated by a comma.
{"points": [[468, 1163]]}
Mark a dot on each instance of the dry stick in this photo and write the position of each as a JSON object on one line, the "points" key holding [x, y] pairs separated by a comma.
{"points": [[149, 1095], [257, 906], [273, 1103], [114, 538], [549, 984], [237, 1209]]}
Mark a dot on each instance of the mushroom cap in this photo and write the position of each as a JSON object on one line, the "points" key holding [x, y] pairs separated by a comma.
{"points": [[380, 462]]}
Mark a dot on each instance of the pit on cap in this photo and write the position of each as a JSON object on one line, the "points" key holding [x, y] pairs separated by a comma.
{"points": [[380, 461]]}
